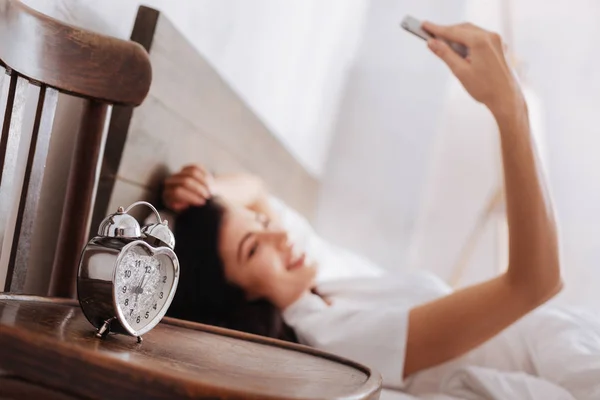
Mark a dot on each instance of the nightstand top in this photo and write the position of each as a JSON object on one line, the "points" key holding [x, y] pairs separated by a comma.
{"points": [[49, 341]]}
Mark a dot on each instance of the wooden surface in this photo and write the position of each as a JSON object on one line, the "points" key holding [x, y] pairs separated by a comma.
{"points": [[14, 98], [49, 342], [12, 388], [41, 57], [72, 59], [32, 186], [79, 200], [191, 116]]}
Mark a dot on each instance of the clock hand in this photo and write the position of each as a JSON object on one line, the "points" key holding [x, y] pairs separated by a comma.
{"points": [[137, 289], [141, 288], [145, 282]]}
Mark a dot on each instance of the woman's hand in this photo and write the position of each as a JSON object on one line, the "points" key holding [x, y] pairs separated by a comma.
{"points": [[191, 186], [194, 185], [485, 74]]}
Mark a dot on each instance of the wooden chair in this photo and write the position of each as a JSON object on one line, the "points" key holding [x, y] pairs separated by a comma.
{"points": [[40, 57], [47, 347]]}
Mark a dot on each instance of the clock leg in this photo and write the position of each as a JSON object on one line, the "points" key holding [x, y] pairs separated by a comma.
{"points": [[104, 329], [139, 339]]}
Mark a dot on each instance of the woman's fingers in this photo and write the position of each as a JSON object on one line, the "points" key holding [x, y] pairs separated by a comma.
{"points": [[198, 188], [189, 187], [182, 191], [195, 170], [484, 73], [455, 62], [180, 197], [199, 173], [462, 34]]}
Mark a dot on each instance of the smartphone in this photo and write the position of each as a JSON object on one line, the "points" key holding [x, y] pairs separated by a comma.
{"points": [[413, 26]]}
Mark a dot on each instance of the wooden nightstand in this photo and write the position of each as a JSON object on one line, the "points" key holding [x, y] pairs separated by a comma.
{"points": [[48, 348]]}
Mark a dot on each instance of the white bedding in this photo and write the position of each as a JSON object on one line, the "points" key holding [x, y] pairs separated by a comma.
{"points": [[557, 351], [477, 383], [550, 354]]}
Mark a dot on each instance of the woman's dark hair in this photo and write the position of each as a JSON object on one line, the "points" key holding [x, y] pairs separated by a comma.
{"points": [[203, 293]]}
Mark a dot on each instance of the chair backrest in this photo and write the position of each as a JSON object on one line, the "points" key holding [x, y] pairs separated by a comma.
{"points": [[39, 58]]}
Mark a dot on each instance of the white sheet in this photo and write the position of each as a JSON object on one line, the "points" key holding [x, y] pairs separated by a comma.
{"points": [[387, 394], [394, 395], [477, 383], [552, 354]]}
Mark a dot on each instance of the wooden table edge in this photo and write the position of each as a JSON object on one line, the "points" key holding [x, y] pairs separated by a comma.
{"points": [[370, 387]]}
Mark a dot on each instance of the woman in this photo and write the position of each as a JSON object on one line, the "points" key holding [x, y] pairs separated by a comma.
{"points": [[240, 268]]}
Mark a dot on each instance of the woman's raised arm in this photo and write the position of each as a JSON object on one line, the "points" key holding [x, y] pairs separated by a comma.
{"points": [[449, 327]]}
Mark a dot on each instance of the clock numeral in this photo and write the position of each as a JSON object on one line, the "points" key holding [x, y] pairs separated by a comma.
{"points": [[147, 314], [138, 263], [137, 319], [165, 279], [124, 290], [154, 306], [128, 273], [130, 312], [126, 302], [160, 296], [148, 269]]}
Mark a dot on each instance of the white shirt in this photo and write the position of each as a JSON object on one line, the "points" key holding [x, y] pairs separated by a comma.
{"points": [[367, 320]]}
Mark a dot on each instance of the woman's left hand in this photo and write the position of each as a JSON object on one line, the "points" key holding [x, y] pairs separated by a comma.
{"points": [[485, 73], [191, 186]]}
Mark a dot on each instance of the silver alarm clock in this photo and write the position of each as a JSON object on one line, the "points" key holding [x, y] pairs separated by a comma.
{"points": [[128, 275]]}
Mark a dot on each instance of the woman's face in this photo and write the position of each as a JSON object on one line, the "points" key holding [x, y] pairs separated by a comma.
{"points": [[259, 258]]}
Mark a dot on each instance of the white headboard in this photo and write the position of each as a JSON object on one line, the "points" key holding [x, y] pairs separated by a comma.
{"points": [[190, 115]]}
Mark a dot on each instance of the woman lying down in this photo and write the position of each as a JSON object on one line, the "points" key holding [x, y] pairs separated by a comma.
{"points": [[243, 268]]}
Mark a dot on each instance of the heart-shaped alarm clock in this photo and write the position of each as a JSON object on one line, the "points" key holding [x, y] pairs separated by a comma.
{"points": [[127, 274]]}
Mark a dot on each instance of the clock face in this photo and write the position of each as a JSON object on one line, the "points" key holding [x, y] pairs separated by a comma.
{"points": [[143, 284]]}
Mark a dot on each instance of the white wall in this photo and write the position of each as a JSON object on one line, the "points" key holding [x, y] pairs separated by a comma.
{"points": [[288, 60], [563, 89], [456, 235], [559, 41], [404, 142], [385, 129]]}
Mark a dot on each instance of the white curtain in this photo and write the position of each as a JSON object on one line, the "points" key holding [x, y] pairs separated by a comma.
{"points": [[461, 231], [562, 86], [559, 42]]}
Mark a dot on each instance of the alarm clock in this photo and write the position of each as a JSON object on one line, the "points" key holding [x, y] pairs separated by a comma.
{"points": [[128, 275]]}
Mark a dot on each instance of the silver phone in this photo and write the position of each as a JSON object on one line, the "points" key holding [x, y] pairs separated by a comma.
{"points": [[413, 26]]}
